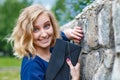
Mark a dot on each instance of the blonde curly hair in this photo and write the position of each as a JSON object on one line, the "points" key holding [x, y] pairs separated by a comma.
{"points": [[22, 38]]}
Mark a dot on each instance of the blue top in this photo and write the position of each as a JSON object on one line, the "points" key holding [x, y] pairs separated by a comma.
{"points": [[35, 68]]}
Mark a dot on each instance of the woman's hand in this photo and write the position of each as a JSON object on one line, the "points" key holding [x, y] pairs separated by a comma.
{"points": [[74, 70], [75, 34]]}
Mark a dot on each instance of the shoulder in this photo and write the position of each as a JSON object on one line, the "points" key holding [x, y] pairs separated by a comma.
{"points": [[33, 63], [32, 68]]}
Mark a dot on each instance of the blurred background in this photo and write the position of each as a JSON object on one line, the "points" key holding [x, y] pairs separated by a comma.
{"points": [[64, 10]]}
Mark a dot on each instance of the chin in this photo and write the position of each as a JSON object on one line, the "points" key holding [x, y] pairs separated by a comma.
{"points": [[45, 45]]}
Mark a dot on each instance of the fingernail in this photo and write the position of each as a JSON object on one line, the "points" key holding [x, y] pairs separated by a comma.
{"points": [[67, 59]]}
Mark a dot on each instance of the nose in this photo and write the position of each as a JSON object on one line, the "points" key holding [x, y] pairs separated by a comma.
{"points": [[43, 33]]}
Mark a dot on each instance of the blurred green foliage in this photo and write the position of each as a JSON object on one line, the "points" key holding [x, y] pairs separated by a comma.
{"points": [[9, 12], [66, 10]]}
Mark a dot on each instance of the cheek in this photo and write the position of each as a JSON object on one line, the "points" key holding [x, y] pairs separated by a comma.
{"points": [[34, 36], [50, 32]]}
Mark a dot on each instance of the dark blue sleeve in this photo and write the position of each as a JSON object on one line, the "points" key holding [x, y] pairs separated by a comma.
{"points": [[32, 71], [64, 36]]}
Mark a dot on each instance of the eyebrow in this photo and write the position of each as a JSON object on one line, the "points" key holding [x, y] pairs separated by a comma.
{"points": [[47, 22]]}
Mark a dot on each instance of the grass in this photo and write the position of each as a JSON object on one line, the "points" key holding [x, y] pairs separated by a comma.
{"points": [[9, 75], [9, 61], [9, 68]]}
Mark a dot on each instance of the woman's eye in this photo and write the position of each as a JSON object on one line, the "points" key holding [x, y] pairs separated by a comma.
{"points": [[47, 26], [35, 29]]}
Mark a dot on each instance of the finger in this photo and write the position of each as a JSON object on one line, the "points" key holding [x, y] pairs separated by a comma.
{"points": [[77, 38], [79, 59], [75, 33], [69, 63], [78, 31], [77, 66], [78, 27], [76, 41]]}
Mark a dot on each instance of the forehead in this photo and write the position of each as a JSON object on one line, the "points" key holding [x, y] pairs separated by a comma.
{"points": [[41, 19]]}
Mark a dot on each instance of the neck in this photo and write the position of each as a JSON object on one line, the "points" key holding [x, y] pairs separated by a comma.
{"points": [[44, 53]]}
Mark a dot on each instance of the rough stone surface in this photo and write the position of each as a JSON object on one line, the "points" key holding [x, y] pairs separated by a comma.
{"points": [[100, 55]]}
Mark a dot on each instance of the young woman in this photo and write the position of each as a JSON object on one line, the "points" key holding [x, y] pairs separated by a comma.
{"points": [[35, 33]]}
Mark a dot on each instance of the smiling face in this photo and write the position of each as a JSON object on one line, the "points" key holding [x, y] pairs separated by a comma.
{"points": [[42, 31]]}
